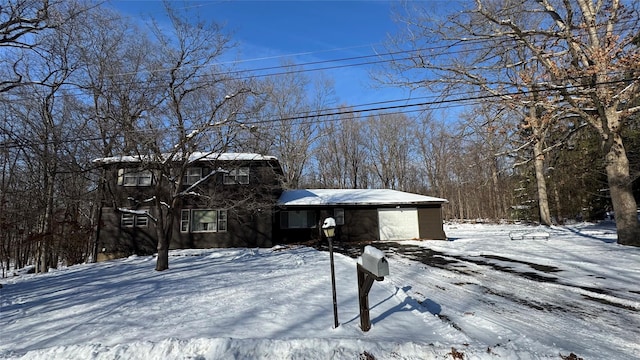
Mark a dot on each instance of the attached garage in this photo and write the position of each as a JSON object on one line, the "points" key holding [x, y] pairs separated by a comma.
{"points": [[361, 215]]}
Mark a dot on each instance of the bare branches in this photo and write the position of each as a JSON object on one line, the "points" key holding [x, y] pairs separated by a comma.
{"points": [[21, 17], [24, 26], [18, 19], [569, 56]]}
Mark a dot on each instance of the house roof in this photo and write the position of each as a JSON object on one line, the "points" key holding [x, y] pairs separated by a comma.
{"points": [[196, 156], [306, 197]]}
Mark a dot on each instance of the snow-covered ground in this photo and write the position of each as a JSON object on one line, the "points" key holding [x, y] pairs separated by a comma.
{"points": [[479, 296]]}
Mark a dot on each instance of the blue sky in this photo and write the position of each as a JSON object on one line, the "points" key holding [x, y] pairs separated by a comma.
{"points": [[268, 32]]}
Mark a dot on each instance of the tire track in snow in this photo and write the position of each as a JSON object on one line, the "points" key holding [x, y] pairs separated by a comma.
{"points": [[501, 301]]}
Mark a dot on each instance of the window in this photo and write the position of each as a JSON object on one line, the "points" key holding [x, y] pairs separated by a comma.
{"points": [[184, 221], [128, 177], [222, 220], [203, 221], [192, 176], [130, 220], [142, 221], [237, 176], [302, 219], [338, 215]]}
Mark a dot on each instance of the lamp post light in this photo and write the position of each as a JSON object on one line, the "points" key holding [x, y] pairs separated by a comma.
{"points": [[329, 229]]}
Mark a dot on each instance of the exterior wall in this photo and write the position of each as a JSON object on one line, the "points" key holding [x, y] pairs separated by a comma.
{"points": [[116, 241], [360, 224], [249, 211], [288, 236], [252, 217], [243, 230], [430, 223]]}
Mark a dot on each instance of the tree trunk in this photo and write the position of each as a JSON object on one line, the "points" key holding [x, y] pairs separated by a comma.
{"points": [[541, 184], [46, 228], [164, 231], [162, 262], [460, 204], [559, 214], [497, 194], [624, 204]]}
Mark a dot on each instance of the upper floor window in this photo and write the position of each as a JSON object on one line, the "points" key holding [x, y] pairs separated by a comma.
{"points": [[130, 177], [237, 176], [192, 176]]}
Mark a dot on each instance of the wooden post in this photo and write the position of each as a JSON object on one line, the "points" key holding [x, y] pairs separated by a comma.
{"points": [[365, 281]]}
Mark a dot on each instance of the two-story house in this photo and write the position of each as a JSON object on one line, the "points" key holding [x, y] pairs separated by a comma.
{"points": [[238, 200], [219, 200]]}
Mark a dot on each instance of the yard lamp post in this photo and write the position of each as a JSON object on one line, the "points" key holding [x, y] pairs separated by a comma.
{"points": [[329, 229]]}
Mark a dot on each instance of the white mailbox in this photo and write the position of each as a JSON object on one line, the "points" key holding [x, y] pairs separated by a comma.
{"points": [[373, 260]]}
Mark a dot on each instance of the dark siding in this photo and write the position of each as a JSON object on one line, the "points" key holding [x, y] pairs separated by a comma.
{"points": [[244, 229], [360, 225], [249, 206], [250, 229], [117, 241], [288, 236], [430, 223]]}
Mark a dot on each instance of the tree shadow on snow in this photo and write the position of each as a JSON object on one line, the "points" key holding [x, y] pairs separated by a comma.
{"points": [[598, 231]]}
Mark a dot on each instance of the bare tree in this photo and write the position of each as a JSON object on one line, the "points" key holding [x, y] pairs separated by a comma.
{"points": [[389, 149], [37, 66], [340, 153], [488, 132], [584, 52], [117, 76], [18, 20], [42, 111], [198, 111], [434, 151], [291, 110], [21, 23], [594, 66]]}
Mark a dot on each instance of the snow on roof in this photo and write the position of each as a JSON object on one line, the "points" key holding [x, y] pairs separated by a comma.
{"points": [[196, 156], [353, 197]]}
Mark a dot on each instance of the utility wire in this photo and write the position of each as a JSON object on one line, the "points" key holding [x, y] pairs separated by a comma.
{"points": [[302, 67], [319, 116], [431, 49]]}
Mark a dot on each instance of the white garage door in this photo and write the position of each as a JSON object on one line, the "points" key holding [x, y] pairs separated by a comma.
{"points": [[398, 224]]}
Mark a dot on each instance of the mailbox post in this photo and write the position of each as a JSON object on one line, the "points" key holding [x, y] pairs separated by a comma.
{"points": [[371, 266], [329, 228]]}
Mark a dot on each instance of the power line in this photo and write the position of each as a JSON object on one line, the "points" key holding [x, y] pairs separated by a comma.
{"points": [[370, 107], [319, 116], [378, 55], [300, 68]]}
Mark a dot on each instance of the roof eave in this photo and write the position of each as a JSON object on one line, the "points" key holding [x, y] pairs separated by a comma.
{"points": [[366, 204]]}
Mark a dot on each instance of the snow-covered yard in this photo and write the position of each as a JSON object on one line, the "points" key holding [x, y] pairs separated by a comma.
{"points": [[479, 296]]}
